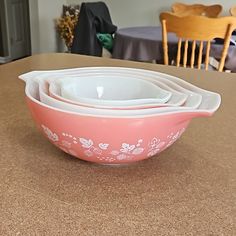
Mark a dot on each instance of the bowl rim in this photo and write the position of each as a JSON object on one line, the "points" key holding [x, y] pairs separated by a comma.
{"points": [[101, 69], [131, 71], [175, 112]]}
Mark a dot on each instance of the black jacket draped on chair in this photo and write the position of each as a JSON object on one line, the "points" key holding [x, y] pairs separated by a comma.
{"points": [[94, 18]]}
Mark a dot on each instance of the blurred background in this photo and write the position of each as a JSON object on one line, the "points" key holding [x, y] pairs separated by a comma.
{"points": [[28, 26]]}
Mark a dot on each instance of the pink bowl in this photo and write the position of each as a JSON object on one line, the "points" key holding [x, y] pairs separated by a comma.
{"points": [[108, 140]]}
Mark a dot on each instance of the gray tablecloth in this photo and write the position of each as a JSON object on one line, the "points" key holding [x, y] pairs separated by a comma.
{"points": [[145, 44]]}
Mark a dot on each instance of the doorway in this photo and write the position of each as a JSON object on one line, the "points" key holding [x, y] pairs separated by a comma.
{"points": [[14, 29]]}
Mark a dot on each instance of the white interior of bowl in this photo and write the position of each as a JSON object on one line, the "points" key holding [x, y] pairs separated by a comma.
{"points": [[112, 90], [55, 92], [176, 99], [45, 98]]}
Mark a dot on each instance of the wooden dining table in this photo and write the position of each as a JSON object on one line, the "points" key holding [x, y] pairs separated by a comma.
{"points": [[189, 189]]}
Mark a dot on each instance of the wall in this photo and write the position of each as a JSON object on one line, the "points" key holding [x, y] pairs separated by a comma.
{"points": [[140, 13], [44, 37], [34, 26]]}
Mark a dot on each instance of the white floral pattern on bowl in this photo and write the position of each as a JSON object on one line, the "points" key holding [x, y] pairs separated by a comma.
{"points": [[126, 151]]}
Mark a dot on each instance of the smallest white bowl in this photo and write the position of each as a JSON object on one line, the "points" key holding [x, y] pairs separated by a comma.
{"points": [[112, 91]]}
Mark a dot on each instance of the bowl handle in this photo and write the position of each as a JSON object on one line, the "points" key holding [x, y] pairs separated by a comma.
{"points": [[194, 114], [29, 75]]}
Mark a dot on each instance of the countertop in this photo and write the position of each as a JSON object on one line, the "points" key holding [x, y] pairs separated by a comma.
{"points": [[189, 189]]}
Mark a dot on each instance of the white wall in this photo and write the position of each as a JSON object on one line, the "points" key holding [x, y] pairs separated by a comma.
{"points": [[124, 13], [44, 37], [34, 25]]}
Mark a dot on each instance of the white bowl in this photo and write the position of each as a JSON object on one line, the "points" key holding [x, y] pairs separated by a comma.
{"points": [[47, 99], [194, 97], [209, 105], [208, 100], [177, 98], [112, 91]]}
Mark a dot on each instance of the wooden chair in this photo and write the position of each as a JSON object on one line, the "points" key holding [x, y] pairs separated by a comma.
{"points": [[232, 11], [196, 9], [194, 29]]}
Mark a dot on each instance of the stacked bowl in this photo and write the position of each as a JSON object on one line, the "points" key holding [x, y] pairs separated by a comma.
{"points": [[114, 115]]}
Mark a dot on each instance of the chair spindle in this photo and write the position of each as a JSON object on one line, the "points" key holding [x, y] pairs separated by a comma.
{"points": [[193, 54], [178, 52], [200, 55], [185, 53], [207, 54], [165, 44]]}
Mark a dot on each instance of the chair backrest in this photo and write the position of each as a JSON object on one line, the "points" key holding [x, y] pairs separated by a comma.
{"points": [[232, 11], [196, 9], [199, 30]]}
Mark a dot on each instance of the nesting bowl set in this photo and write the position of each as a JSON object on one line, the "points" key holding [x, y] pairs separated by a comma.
{"points": [[114, 115]]}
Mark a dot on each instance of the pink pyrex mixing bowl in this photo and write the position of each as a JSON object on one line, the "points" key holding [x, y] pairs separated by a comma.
{"points": [[110, 140]]}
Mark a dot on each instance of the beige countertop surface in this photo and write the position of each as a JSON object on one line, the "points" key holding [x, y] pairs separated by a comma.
{"points": [[189, 189]]}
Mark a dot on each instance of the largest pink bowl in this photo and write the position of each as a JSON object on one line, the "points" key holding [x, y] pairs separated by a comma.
{"points": [[107, 140]]}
